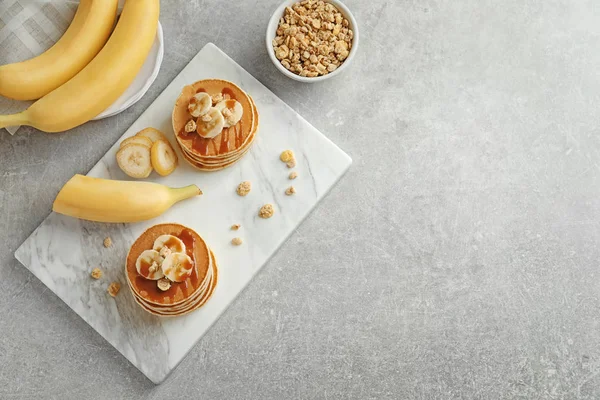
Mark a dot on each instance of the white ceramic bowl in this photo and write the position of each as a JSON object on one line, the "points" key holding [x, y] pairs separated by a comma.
{"points": [[271, 33]]}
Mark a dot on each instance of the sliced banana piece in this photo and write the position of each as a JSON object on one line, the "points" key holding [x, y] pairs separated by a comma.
{"points": [[137, 139], [177, 267], [148, 265], [163, 157], [167, 244], [199, 104], [210, 124], [232, 111], [152, 134], [134, 160]]}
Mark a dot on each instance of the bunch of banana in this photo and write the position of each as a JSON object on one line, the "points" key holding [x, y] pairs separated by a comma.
{"points": [[87, 34], [103, 80], [105, 200]]}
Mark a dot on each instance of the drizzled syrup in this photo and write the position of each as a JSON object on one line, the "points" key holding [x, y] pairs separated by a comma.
{"points": [[149, 289], [200, 145]]}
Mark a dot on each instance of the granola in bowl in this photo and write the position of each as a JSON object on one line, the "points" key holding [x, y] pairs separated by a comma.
{"points": [[312, 38]]}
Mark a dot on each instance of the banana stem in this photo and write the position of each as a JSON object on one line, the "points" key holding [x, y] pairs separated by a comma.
{"points": [[13, 120], [186, 192]]}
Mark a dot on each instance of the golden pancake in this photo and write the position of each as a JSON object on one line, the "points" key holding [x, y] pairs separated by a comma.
{"points": [[222, 161], [172, 313], [190, 300], [208, 165], [229, 157], [209, 168], [179, 291], [230, 139], [207, 295], [184, 305]]}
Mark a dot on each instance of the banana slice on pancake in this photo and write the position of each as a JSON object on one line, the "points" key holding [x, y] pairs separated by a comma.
{"points": [[167, 244], [177, 267], [210, 124], [232, 111], [199, 104], [148, 265]]}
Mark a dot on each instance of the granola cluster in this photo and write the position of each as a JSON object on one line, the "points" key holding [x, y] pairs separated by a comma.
{"points": [[266, 211], [313, 38], [244, 188], [113, 289], [96, 273]]}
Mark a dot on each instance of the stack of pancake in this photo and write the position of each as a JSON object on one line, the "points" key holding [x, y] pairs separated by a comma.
{"points": [[182, 297], [223, 150]]}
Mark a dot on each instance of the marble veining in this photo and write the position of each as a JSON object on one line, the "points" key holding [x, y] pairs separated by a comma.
{"points": [[62, 251]]}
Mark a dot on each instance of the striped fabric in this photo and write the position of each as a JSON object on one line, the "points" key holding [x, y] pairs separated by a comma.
{"points": [[28, 28]]}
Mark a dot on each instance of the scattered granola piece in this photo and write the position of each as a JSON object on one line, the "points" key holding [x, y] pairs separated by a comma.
{"points": [[163, 284], [293, 175], [96, 273], [244, 188], [235, 227], [290, 191], [113, 289], [236, 241], [107, 242], [291, 164], [266, 211], [286, 156]]}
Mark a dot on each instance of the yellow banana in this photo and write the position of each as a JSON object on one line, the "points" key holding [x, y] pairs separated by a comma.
{"points": [[105, 200], [103, 80], [88, 32]]}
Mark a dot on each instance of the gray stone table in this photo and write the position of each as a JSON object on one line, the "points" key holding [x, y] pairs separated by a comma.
{"points": [[457, 259]]}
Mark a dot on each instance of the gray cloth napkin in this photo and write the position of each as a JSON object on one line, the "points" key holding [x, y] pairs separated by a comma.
{"points": [[27, 29]]}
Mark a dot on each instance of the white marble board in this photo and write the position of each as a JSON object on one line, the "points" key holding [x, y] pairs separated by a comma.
{"points": [[62, 251]]}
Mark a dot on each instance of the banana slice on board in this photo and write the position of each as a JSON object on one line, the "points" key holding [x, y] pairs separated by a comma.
{"points": [[177, 267], [167, 244], [137, 139], [199, 104], [210, 124], [232, 111], [148, 265], [134, 160], [163, 157], [152, 134]]}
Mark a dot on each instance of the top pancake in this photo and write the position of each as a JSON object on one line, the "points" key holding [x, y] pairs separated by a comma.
{"points": [[230, 139], [179, 291]]}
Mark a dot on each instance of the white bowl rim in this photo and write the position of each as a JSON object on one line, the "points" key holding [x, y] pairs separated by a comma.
{"points": [[272, 27]]}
